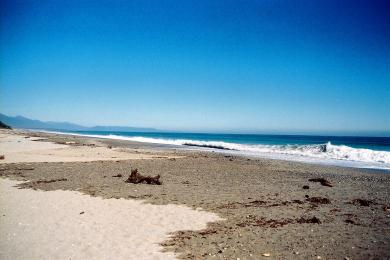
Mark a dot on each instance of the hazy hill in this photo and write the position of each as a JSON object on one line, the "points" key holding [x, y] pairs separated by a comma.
{"points": [[27, 123]]}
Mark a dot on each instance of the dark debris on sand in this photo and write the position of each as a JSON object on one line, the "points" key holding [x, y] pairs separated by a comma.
{"points": [[50, 181], [352, 222], [318, 200], [362, 202], [323, 181], [276, 223], [136, 178]]}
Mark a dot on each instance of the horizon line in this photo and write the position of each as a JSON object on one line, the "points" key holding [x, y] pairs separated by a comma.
{"points": [[292, 132]]}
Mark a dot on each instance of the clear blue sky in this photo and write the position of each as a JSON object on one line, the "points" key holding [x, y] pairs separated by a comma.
{"points": [[258, 66]]}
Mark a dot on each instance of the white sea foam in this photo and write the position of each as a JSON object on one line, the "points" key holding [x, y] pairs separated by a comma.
{"points": [[328, 152]]}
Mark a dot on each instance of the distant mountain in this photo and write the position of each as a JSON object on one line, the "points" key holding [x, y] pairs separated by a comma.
{"points": [[27, 123]]}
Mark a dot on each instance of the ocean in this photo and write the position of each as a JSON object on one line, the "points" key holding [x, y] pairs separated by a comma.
{"points": [[349, 151]]}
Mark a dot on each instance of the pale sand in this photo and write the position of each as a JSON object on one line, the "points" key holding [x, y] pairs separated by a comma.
{"points": [[17, 148], [48, 225]]}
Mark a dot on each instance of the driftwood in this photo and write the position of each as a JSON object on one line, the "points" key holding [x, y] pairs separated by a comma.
{"points": [[136, 177]]}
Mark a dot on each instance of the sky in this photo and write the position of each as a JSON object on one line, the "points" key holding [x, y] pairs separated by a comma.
{"points": [[210, 66]]}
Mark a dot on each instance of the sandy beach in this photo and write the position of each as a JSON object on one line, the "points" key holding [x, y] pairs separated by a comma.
{"points": [[251, 208], [239, 130]]}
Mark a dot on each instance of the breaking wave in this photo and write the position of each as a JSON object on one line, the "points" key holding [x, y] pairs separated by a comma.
{"points": [[327, 151], [322, 151]]}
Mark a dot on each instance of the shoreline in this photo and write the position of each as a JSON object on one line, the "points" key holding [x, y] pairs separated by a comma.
{"points": [[197, 148], [264, 203]]}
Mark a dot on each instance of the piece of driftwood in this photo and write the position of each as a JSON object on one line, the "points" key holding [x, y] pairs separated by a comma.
{"points": [[136, 177]]}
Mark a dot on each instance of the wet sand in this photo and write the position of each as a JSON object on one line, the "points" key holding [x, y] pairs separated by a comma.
{"points": [[266, 209]]}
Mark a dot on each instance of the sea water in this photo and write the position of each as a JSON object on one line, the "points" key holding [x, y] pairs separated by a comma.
{"points": [[351, 151]]}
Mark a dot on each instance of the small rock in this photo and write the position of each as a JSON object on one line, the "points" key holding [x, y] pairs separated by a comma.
{"points": [[266, 254]]}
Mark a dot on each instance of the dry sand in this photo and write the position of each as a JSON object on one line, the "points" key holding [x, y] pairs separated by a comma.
{"points": [[22, 148], [69, 225], [265, 207]]}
